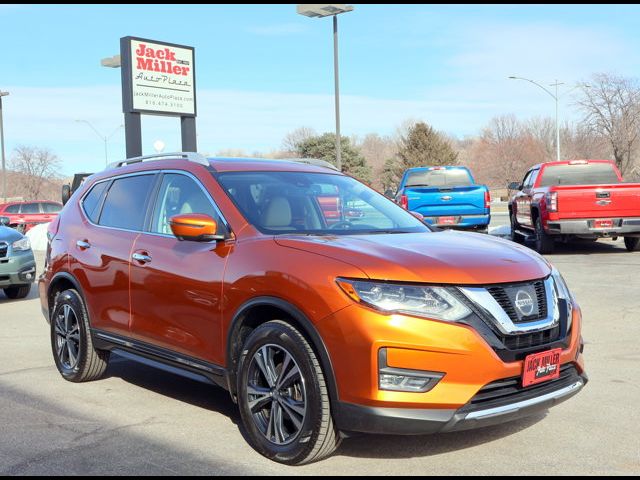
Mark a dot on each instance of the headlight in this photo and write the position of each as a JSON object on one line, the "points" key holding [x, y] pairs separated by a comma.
{"points": [[431, 302], [562, 291], [21, 245], [561, 286]]}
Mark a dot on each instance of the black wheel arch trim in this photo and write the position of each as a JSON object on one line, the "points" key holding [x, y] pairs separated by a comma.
{"points": [[76, 285], [308, 329]]}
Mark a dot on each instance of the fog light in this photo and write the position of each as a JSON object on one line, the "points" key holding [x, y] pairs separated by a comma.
{"points": [[404, 383], [404, 380]]}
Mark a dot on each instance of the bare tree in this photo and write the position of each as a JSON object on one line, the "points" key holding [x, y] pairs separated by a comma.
{"points": [[504, 151], [612, 110], [293, 140], [36, 167]]}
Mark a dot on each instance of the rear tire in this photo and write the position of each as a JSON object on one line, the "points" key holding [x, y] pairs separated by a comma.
{"points": [[632, 243], [75, 356], [287, 417], [544, 243], [15, 293]]}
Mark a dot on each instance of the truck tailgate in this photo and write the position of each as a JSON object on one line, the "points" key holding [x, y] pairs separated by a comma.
{"points": [[430, 201], [589, 201]]}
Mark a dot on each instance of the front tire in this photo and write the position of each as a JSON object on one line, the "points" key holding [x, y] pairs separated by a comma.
{"points": [[632, 243], [283, 397], [75, 356], [15, 293]]}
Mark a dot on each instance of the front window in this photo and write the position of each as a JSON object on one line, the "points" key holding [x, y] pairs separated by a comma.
{"points": [[314, 203]]}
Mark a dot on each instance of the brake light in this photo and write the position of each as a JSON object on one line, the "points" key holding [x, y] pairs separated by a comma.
{"points": [[404, 202], [552, 201], [578, 162], [487, 199], [437, 168]]}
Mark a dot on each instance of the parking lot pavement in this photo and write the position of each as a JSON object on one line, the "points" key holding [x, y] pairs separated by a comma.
{"points": [[138, 421]]}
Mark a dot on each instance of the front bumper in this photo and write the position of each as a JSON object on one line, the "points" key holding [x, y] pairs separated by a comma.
{"points": [[586, 227], [17, 269], [469, 360], [399, 421]]}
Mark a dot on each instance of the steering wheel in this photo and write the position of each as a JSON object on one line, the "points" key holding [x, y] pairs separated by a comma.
{"points": [[343, 223]]}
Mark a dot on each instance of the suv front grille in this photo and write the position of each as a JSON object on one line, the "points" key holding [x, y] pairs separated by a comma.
{"points": [[501, 295], [510, 390], [528, 340], [4, 247]]}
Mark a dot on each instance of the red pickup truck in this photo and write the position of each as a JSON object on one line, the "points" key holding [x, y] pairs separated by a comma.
{"points": [[574, 199]]}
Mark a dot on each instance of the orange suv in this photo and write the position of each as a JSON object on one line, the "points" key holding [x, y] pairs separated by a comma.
{"points": [[230, 271]]}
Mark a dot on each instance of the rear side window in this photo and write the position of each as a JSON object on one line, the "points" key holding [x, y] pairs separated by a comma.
{"points": [[13, 209], [51, 207], [126, 203], [579, 174], [30, 208], [455, 177], [91, 202]]}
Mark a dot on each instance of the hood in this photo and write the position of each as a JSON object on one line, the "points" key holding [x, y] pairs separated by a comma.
{"points": [[9, 235], [446, 257]]}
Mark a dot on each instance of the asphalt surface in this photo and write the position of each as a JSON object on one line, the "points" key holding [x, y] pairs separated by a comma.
{"points": [[138, 421]]}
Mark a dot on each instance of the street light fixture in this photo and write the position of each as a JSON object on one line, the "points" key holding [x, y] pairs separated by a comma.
{"points": [[321, 11], [4, 166], [112, 62], [104, 138], [555, 97]]}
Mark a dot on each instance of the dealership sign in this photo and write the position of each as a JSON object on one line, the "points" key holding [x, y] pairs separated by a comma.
{"points": [[158, 77]]}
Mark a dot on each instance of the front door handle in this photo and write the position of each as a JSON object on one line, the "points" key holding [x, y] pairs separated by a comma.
{"points": [[141, 257], [83, 245]]}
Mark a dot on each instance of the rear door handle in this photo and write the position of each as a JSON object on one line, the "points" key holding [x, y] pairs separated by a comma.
{"points": [[141, 257], [83, 245]]}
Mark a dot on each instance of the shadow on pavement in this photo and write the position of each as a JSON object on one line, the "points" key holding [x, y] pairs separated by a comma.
{"points": [[199, 394], [398, 447], [46, 438]]}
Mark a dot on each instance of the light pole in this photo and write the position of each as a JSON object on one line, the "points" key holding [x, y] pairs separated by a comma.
{"points": [[321, 11], [555, 97], [104, 138], [4, 166]]}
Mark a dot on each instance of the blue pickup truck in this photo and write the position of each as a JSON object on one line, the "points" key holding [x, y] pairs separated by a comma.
{"points": [[446, 197]]}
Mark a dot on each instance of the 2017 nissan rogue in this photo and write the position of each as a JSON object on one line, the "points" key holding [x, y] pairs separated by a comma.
{"points": [[230, 270]]}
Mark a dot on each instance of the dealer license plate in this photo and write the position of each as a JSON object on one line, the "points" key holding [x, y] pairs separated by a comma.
{"points": [[447, 220], [608, 223], [540, 367]]}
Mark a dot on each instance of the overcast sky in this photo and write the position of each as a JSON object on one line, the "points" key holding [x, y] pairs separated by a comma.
{"points": [[263, 71]]}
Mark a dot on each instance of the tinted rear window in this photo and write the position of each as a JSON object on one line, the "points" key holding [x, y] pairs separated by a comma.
{"points": [[439, 178], [30, 208], [589, 174], [13, 209], [126, 203], [91, 203], [51, 207]]}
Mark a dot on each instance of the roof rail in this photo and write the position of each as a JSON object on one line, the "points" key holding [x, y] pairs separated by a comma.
{"points": [[189, 156], [314, 161]]}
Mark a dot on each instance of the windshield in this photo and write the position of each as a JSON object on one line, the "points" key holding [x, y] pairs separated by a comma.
{"points": [[456, 177], [314, 203], [579, 174]]}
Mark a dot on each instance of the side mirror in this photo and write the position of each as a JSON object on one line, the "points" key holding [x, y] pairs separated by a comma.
{"points": [[4, 221], [419, 216], [515, 186], [389, 194], [66, 194], [195, 227]]}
